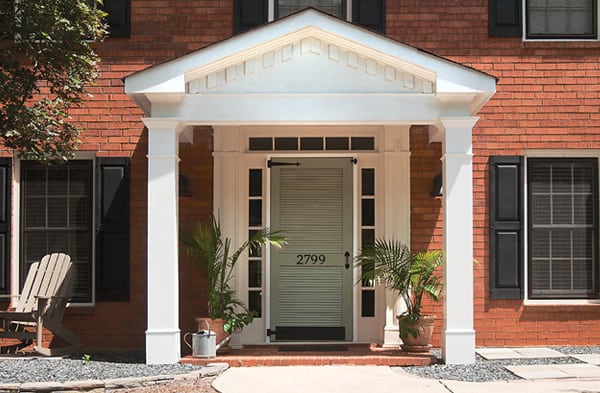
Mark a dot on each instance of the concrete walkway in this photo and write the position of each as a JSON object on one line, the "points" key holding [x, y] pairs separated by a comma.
{"points": [[371, 379]]}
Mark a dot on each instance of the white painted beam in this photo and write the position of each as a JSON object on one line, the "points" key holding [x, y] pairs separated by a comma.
{"points": [[162, 334], [458, 346], [321, 109]]}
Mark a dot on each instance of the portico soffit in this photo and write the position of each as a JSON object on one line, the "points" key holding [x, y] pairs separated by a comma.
{"points": [[310, 53]]}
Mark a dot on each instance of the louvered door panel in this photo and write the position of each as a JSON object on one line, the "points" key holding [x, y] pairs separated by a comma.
{"points": [[311, 276], [310, 296], [311, 204]]}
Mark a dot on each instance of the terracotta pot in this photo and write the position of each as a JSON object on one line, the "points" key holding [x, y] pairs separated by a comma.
{"points": [[216, 325], [422, 343]]}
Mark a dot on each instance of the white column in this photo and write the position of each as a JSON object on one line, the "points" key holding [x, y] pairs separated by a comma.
{"points": [[458, 346], [227, 197], [397, 214], [163, 335]]}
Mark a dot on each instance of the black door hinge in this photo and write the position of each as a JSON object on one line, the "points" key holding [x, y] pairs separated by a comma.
{"points": [[272, 163], [270, 332]]}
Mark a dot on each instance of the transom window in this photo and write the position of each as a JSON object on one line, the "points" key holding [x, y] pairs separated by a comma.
{"points": [[56, 208], [355, 143], [563, 228], [333, 7], [561, 18]]}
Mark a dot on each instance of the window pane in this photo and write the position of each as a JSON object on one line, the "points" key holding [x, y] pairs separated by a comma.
{"points": [[286, 143], [254, 251], [57, 180], [368, 303], [255, 182], [57, 212], [368, 237], [311, 143], [255, 213], [255, 302], [35, 212], [368, 212], [35, 180], [368, 181], [261, 144], [363, 143], [254, 274], [79, 212], [336, 143]]}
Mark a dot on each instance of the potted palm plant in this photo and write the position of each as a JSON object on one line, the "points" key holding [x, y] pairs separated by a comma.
{"points": [[412, 276], [217, 258]]}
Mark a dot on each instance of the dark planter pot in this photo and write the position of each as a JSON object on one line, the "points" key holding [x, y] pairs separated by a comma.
{"points": [[421, 343]]}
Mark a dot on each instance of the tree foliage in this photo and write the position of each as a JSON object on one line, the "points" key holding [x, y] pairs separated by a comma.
{"points": [[46, 63]]}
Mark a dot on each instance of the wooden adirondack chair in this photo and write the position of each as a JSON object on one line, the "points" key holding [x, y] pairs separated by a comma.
{"points": [[42, 304]]}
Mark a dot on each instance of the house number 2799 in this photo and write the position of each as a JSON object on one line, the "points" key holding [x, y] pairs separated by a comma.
{"points": [[310, 259]]}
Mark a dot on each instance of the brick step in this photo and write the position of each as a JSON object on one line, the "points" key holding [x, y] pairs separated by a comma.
{"points": [[269, 355]]}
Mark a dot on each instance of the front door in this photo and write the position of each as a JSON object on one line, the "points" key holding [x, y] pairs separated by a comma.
{"points": [[311, 277]]}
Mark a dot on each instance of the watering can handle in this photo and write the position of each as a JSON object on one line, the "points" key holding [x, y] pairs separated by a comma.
{"points": [[207, 325], [185, 341]]}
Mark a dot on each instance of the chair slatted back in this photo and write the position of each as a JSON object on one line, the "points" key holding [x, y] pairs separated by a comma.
{"points": [[52, 276]]}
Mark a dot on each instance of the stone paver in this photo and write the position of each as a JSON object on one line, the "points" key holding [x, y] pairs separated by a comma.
{"points": [[322, 379], [580, 370], [538, 372], [518, 353], [558, 386], [556, 371], [593, 358]]}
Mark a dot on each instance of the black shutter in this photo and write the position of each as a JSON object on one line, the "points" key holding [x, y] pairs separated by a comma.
{"points": [[505, 18], [248, 14], [370, 14], [119, 18], [5, 198], [112, 229], [506, 227]]}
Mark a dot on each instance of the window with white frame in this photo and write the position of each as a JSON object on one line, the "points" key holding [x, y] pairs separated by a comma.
{"points": [[561, 19], [562, 228], [333, 7]]}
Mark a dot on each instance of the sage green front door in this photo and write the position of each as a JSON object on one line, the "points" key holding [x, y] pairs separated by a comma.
{"points": [[311, 277]]}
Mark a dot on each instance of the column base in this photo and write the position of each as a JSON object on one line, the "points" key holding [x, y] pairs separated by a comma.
{"points": [[163, 346], [458, 346], [391, 337]]}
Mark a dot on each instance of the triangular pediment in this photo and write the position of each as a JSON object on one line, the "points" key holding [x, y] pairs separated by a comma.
{"points": [[312, 65], [311, 52]]}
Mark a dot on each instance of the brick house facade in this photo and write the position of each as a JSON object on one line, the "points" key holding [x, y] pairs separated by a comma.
{"points": [[545, 106]]}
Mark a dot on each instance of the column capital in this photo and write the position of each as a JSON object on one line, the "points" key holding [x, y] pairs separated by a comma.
{"points": [[446, 123], [164, 124]]}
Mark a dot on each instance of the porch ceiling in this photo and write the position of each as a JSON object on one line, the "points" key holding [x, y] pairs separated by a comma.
{"points": [[310, 68]]}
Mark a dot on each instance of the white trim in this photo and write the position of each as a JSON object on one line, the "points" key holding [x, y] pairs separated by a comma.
{"points": [[524, 28], [549, 153]]}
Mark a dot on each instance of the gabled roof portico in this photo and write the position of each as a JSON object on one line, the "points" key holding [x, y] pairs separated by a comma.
{"points": [[308, 69]]}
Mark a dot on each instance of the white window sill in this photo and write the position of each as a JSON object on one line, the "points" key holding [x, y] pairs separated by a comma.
{"points": [[561, 302]]}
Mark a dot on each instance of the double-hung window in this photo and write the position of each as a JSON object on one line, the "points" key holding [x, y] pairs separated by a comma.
{"points": [[562, 228], [56, 211], [333, 7], [561, 19]]}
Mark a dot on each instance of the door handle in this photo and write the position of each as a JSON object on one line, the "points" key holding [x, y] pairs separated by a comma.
{"points": [[347, 255]]}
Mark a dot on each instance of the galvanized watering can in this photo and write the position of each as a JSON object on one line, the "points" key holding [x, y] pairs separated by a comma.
{"points": [[204, 343]]}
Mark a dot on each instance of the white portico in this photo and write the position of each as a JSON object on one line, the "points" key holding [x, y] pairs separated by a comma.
{"points": [[313, 92]]}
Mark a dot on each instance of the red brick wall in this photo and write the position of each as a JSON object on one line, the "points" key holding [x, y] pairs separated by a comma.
{"points": [[548, 97]]}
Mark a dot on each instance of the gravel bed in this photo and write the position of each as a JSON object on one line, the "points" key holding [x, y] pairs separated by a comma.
{"points": [[492, 370], [578, 350], [100, 366]]}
